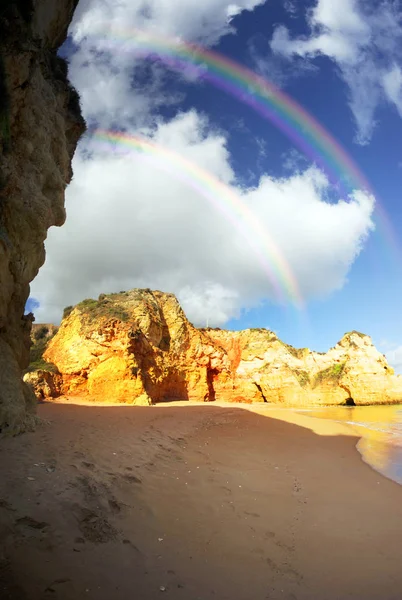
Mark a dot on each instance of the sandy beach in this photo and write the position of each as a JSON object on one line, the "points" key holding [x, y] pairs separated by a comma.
{"points": [[194, 502]]}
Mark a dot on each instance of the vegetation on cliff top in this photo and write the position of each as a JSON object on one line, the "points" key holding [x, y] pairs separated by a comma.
{"points": [[67, 311], [103, 308], [348, 333], [112, 306], [296, 352]]}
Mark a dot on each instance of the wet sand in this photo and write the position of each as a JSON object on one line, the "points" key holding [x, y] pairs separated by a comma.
{"points": [[194, 502]]}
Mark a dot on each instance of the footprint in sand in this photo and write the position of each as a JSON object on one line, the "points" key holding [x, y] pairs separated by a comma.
{"points": [[127, 542], [51, 588], [297, 488], [251, 514], [114, 506], [272, 564], [88, 465], [131, 478], [32, 523], [96, 528], [6, 505]]}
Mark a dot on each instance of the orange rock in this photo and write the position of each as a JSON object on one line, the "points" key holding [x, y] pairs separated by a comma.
{"points": [[45, 384], [138, 347]]}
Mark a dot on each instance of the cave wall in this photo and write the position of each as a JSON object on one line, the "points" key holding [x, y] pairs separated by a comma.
{"points": [[40, 124]]}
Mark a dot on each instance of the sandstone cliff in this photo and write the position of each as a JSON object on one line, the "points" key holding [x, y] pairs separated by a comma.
{"points": [[138, 347], [40, 123]]}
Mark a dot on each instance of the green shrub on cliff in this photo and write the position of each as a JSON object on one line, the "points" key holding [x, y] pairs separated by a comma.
{"points": [[67, 311], [332, 374], [302, 376], [296, 352], [38, 347], [88, 304], [41, 333], [103, 308], [42, 365], [358, 333]]}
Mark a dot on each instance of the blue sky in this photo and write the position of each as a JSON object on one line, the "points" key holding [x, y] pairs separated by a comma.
{"points": [[132, 224]]}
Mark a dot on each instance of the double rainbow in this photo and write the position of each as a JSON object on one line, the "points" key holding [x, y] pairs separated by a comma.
{"points": [[270, 102], [249, 88]]}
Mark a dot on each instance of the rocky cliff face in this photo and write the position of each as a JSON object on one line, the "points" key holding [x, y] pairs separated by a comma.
{"points": [[135, 346], [40, 123], [267, 369], [138, 347]]}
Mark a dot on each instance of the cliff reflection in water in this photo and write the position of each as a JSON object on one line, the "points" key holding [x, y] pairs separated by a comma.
{"points": [[380, 429]]}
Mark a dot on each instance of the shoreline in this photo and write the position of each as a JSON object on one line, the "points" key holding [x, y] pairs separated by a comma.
{"points": [[205, 501]]}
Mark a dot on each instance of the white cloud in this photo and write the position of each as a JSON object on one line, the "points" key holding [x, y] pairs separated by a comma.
{"points": [[134, 221], [291, 7], [392, 81], [204, 22], [366, 44], [293, 161], [276, 67], [104, 67], [393, 354], [341, 16], [337, 31], [394, 357]]}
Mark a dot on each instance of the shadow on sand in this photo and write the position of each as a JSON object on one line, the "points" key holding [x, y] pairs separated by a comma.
{"points": [[192, 502]]}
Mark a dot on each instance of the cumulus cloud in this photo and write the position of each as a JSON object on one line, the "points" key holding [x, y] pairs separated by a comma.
{"points": [[106, 68], [291, 7], [392, 81], [394, 357], [139, 221], [275, 66], [365, 42], [203, 22]]}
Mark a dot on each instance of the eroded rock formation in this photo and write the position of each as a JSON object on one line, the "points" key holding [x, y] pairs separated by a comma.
{"points": [[40, 123], [138, 347]]}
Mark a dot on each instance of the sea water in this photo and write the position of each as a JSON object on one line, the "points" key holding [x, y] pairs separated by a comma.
{"points": [[380, 432]]}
